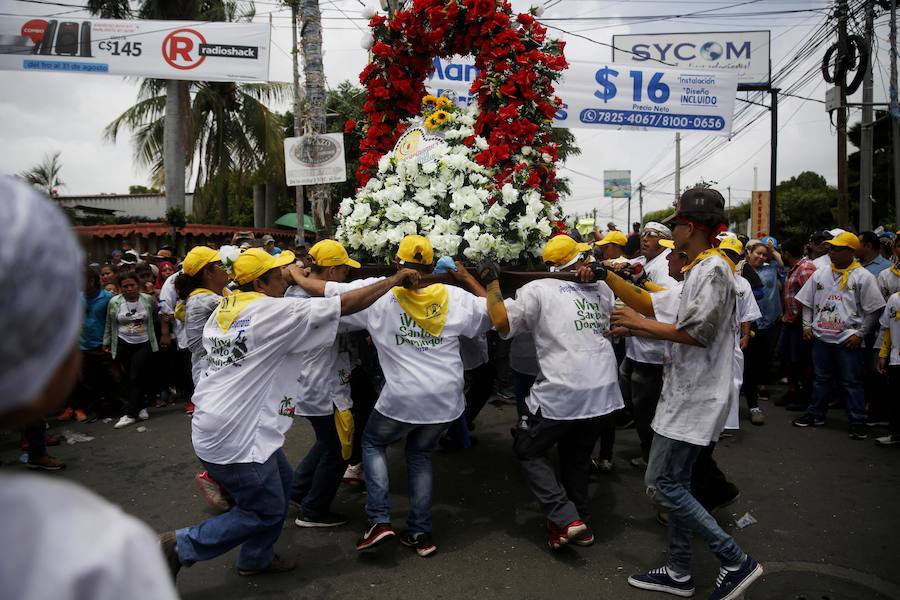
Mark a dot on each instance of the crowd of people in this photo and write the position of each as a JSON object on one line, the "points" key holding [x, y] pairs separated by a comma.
{"points": [[662, 330]]}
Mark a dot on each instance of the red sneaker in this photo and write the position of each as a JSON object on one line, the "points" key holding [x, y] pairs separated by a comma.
{"points": [[375, 535], [66, 415], [189, 407], [556, 537], [577, 532]]}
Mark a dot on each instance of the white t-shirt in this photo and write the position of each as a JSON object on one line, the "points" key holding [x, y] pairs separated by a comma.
{"points": [[133, 321], [822, 262], [890, 321], [168, 299], [578, 373], [747, 312], [697, 383], [423, 373], [839, 313], [888, 283], [323, 374], [197, 312], [63, 542], [473, 351], [648, 350], [245, 402]]}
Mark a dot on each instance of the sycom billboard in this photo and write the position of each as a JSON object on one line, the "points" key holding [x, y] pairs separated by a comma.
{"points": [[747, 52]]}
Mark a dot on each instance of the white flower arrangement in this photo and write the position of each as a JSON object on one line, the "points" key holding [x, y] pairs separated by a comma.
{"points": [[448, 198]]}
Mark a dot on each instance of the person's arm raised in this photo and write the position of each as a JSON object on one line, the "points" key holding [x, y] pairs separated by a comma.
{"points": [[629, 293], [489, 273], [362, 298], [300, 277]]}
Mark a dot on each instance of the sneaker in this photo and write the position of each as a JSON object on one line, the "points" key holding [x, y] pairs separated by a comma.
{"points": [[659, 580], [167, 543], [212, 492], [143, 415], [353, 475], [278, 565], [808, 420], [46, 462], [422, 543], [584, 537], [757, 416], [375, 535], [888, 440], [160, 403], [858, 431], [125, 421], [66, 415], [877, 423], [189, 407], [602, 465], [731, 584], [556, 537], [638, 462], [329, 520], [81, 416]]}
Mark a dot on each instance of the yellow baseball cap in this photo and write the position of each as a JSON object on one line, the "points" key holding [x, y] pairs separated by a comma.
{"points": [[670, 244], [329, 253], [562, 249], [197, 258], [613, 237], [844, 239], [415, 249], [254, 262], [730, 243]]}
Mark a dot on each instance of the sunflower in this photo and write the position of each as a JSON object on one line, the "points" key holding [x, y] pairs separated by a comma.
{"points": [[441, 116], [444, 102], [429, 99], [431, 123]]}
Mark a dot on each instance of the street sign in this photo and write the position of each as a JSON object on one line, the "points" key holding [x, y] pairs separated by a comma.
{"points": [[315, 159]]}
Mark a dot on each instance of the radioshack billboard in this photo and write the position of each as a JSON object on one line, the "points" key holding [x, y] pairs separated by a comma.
{"points": [[198, 51], [746, 52]]}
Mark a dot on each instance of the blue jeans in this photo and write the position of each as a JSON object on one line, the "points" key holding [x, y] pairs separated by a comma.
{"points": [[318, 476], [833, 360], [421, 440], [261, 492], [668, 481]]}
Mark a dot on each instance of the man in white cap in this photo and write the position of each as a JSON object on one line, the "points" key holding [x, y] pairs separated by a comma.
{"points": [[96, 551], [245, 404]]}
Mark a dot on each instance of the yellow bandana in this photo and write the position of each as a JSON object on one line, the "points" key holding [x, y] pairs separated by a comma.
{"points": [[231, 306], [895, 269], [343, 422], [427, 307], [706, 254], [181, 307], [845, 273]]}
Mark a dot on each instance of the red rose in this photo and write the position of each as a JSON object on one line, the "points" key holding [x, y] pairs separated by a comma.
{"points": [[349, 126]]}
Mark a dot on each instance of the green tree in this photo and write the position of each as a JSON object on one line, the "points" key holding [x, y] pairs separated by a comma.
{"points": [[805, 203], [142, 189], [45, 175]]}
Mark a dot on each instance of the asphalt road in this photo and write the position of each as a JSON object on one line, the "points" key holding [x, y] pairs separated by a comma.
{"points": [[827, 510]]}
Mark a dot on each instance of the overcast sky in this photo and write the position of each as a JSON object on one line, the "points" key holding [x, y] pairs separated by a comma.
{"points": [[44, 112]]}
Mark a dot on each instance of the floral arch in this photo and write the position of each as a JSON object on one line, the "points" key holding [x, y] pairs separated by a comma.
{"points": [[508, 128]]}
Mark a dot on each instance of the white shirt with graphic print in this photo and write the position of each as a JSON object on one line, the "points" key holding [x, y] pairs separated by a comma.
{"points": [[889, 320], [244, 404], [423, 373], [839, 313], [578, 374]]}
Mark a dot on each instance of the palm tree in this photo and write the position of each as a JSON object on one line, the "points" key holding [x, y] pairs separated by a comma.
{"points": [[233, 130], [45, 176], [176, 128]]}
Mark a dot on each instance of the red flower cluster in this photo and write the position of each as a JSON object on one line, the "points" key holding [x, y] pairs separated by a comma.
{"points": [[517, 67]]}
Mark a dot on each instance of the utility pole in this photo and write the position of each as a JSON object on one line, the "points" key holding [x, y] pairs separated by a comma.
{"points": [[843, 215], [314, 72], [677, 165], [773, 167], [895, 115], [729, 197], [298, 126], [866, 145], [641, 202], [629, 213]]}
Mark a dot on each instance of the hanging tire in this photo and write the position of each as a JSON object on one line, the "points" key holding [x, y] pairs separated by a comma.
{"points": [[860, 52]]}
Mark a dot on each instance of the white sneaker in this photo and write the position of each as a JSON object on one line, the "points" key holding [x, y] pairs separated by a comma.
{"points": [[125, 421], [757, 416], [143, 415], [354, 475]]}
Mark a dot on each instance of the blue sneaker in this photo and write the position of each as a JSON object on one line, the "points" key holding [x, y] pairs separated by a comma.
{"points": [[659, 580], [731, 584]]}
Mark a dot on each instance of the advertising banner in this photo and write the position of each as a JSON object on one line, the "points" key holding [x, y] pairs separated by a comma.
{"points": [[313, 159], [759, 214], [197, 51], [617, 184], [745, 52], [604, 95]]}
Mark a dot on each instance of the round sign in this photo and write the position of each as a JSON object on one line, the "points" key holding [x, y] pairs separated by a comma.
{"points": [[35, 29], [315, 151], [181, 49]]}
